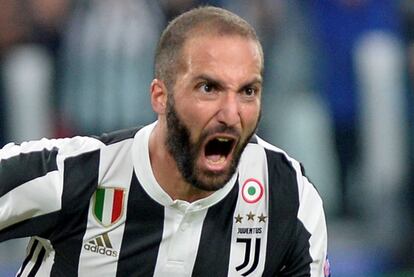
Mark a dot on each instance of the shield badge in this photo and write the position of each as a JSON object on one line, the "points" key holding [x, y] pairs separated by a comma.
{"points": [[108, 205]]}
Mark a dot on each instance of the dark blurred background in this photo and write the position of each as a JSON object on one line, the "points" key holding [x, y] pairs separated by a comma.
{"points": [[338, 97]]}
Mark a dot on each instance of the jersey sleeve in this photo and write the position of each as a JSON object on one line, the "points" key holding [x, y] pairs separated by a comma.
{"points": [[32, 184], [312, 215], [309, 251], [307, 254]]}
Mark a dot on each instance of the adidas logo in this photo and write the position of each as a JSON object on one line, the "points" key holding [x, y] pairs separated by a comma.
{"points": [[101, 245]]}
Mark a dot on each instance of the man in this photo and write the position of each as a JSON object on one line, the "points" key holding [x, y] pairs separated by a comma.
{"points": [[194, 194]]}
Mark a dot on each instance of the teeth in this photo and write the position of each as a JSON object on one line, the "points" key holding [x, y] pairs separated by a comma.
{"points": [[223, 139], [220, 160]]}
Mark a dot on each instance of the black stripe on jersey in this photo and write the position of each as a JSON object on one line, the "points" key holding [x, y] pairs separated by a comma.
{"points": [[283, 221], [213, 254], [41, 226], [17, 170], [28, 257], [38, 262], [298, 258], [117, 136], [80, 182], [142, 234]]}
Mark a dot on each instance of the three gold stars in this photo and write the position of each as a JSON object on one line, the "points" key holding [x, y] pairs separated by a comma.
{"points": [[250, 216]]}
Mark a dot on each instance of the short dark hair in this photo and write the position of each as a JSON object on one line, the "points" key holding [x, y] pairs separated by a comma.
{"points": [[202, 20]]}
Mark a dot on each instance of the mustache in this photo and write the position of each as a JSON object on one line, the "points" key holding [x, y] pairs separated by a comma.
{"points": [[229, 130]]}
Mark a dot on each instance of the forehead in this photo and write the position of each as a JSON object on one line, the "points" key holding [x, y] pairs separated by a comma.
{"points": [[230, 53]]}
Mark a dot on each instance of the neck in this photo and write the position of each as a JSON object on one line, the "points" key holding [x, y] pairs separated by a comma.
{"points": [[165, 168]]}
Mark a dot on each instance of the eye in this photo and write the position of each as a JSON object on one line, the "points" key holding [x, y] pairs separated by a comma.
{"points": [[250, 92], [207, 87]]}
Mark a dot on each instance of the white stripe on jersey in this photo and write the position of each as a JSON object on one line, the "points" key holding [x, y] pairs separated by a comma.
{"points": [[112, 174], [253, 164], [180, 240], [33, 198]]}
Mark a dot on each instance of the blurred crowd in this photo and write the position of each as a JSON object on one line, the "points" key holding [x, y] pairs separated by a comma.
{"points": [[339, 97]]}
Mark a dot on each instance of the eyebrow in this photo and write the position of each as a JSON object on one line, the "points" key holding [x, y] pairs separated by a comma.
{"points": [[210, 80], [218, 83]]}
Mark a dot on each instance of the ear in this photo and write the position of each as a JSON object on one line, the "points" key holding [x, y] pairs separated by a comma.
{"points": [[158, 96]]}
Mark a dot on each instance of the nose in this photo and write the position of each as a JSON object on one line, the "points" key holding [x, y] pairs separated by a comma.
{"points": [[229, 112]]}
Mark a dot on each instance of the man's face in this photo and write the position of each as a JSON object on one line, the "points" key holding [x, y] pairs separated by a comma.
{"points": [[214, 108]]}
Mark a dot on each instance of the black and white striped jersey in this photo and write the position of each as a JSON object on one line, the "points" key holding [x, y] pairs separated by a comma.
{"points": [[92, 207]]}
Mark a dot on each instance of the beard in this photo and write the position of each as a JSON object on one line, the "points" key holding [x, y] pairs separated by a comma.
{"points": [[185, 152]]}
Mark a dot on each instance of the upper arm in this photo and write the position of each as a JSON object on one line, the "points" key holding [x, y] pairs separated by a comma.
{"points": [[311, 215], [307, 254], [32, 185]]}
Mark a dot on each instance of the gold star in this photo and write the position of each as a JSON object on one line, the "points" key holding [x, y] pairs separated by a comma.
{"points": [[262, 218], [238, 218], [250, 216]]}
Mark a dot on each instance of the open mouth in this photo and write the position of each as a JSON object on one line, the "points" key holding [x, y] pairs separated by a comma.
{"points": [[218, 149]]}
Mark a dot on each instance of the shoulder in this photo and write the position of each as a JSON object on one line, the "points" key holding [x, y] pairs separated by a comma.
{"points": [[118, 136], [274, 156], [63, 146], [283, 171], [84, 144], [68, 147]]}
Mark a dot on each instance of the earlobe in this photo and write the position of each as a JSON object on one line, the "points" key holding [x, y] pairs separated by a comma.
{"points": [[158, 96]]}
